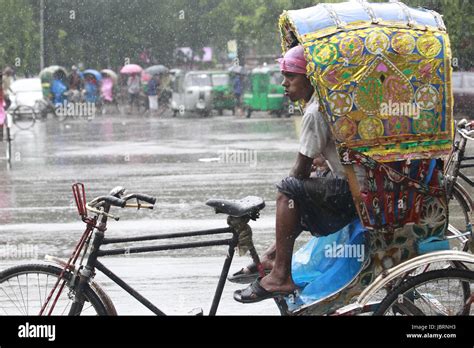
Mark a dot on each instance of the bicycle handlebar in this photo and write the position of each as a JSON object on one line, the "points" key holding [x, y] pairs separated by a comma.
{"points": [[117, 202], [466, 129], [123, 202], [141, 197]]}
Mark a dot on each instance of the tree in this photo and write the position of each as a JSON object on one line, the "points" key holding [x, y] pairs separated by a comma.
{"points": [[110, 33], [19, 36]]}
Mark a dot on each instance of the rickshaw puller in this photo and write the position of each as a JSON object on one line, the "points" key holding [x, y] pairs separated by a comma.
{"points": [[321, 205]]}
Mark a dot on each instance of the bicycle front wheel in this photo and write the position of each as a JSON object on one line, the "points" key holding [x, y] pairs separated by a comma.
{"points": [[24, 117], [25, 288], [446, 292]]}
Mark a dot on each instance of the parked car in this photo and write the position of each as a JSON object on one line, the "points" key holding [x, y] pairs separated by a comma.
{"points": [[463, 91]]}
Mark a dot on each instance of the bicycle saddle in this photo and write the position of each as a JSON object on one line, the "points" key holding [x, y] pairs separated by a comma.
{"points": [[250, 206]]}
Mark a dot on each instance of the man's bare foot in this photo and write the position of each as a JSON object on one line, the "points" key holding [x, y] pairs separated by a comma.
{"points": [[274, 283]]}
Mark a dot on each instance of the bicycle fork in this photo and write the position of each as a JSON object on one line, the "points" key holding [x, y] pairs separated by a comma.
{"points": [[86, 273]]}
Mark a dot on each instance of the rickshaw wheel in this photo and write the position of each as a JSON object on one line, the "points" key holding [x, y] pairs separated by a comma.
{"points": [[439, 292], [24, 117], [459, 216]]}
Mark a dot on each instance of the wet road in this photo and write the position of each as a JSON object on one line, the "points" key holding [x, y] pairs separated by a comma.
{"points": [[182, 161], [172, 159]]}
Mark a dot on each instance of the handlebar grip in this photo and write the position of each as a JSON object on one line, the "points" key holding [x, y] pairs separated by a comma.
{"points": [[462, 123], [117, 202], [145, 198]]}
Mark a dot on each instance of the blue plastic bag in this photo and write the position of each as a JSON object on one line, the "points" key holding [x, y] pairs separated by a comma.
{"points": [[325, 265]]}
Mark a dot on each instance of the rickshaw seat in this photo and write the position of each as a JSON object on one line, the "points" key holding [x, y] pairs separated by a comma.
{"points": [[250, 206]]}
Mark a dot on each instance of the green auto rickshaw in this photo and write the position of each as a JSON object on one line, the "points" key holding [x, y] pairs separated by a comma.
{"points": [[222, 92], [46, 76], [265, 92]]}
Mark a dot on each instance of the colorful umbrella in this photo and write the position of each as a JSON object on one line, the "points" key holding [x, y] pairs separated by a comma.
{"points": [[131, 69], [97, 75], [157, 69]]}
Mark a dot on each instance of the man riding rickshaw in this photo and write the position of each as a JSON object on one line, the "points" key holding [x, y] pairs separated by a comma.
{"points": [[375, 83]]}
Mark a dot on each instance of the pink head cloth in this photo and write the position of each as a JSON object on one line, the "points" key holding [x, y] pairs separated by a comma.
{"points": [[293, 61]]}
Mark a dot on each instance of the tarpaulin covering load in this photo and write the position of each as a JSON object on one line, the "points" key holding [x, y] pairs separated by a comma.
{"points": [[383, 75]]}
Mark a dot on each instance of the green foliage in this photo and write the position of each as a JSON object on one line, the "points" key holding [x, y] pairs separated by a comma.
{"points": [[19, 36], [108, 33]]}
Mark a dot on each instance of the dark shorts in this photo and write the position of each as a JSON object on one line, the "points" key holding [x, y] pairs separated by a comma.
{"points": [[325, 204]]}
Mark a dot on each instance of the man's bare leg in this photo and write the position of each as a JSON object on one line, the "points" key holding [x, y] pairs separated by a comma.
{"points": [[287, 222], [267, 259]]}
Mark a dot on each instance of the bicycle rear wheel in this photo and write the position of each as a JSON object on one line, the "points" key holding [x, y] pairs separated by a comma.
{"points": [[24, 117], [446, 292], [24, 289], [460, 211]]}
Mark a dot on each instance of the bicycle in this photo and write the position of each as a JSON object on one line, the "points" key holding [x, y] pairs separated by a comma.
{"points": [[69, 287], [78, 277]]}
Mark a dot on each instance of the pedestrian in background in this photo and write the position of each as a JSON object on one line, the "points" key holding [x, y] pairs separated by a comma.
{"points": [[237, 89], [2, 108], [133, 88], [75, 79], [7, 80], [152, 93]]}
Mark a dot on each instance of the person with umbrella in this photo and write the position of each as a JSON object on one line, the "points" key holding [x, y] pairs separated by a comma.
{"points": [[133, 88], [133, 83], [152, 93], [109, 79]]}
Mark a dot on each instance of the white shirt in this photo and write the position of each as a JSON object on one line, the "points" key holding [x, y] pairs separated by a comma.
{"points": [[317, 139]]}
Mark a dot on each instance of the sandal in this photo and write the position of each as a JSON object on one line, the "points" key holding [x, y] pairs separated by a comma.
{"points": [[256, 293], [246, 275]]}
